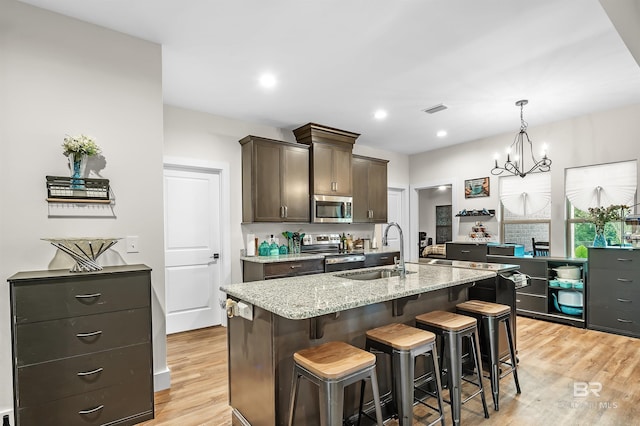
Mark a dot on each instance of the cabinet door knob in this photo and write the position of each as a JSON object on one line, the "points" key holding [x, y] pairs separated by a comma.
{"points": [[624, 280], [624, 321], [624, 300], [286, 211]]}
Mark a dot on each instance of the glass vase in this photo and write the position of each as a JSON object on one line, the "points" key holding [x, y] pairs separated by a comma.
{"points": [[77, 167], [599, 240]]}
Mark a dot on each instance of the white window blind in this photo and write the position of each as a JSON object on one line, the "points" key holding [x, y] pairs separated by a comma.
{"points": [[525, 196], [602, 184]]}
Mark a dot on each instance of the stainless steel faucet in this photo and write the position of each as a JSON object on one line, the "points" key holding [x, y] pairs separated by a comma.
{"points": [[400, 267]]}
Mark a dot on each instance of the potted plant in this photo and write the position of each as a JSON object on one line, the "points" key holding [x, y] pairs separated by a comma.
{"points": [[600, 216]]}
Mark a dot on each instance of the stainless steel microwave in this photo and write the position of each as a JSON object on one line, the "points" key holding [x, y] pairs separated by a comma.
{"points": [[331, 209]]}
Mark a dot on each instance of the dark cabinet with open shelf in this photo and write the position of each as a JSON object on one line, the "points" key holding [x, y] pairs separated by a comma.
{"points": [[539, 299]]}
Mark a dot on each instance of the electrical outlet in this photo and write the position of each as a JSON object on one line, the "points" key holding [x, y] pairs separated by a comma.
{"points": [[132, 245]]}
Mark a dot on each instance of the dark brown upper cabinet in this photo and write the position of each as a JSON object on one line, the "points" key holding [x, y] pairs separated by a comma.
{"points": [[369, 189], [330, 161], [275, 181]]}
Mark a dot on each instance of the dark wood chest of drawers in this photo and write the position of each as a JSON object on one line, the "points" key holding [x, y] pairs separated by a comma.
{"points": [[614, 295], [82, 348]]}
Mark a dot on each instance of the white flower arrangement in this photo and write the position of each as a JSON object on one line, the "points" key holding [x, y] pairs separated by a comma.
{"points": [[80, 145]]}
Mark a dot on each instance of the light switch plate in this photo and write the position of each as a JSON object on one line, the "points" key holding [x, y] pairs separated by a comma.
{"points": [[132, 245]]}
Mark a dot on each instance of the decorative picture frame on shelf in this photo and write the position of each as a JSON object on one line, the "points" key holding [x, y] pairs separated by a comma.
{"points": [[476, 188]]}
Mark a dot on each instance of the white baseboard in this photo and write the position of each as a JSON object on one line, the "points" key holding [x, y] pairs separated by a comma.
{"points": [[161, 380], [7, 412]]}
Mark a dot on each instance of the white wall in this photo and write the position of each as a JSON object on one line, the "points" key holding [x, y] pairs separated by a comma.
{"points": [[207, 137], [62, 76], [592, 139]]}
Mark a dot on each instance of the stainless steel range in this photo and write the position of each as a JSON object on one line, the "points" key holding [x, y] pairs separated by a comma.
{"points": [[329, 245]]}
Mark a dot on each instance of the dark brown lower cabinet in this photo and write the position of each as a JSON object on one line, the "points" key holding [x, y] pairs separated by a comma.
{"points": [[82, 347]]}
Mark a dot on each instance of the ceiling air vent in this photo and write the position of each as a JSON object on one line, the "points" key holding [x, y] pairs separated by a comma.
{"points": [[435, 108]]}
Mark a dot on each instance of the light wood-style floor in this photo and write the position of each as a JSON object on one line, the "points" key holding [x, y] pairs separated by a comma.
{"points": [[553, 359]]}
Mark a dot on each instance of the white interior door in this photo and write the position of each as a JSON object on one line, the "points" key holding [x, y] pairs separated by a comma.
{"points": [[394, 214], [192, 248]]}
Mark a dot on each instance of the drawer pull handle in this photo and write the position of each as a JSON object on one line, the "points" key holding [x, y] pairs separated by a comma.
{"points": [[88, 373], [92, 334], [296, 266], [93, 410], [517, 300], [624, 280], [384, 257], [620, 259], [465, 251], [88, 296], [624, 321], [624, 300]]}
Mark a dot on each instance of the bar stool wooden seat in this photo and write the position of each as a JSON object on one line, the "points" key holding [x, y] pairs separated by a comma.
{"points": [[404, 343], [490, 315], [332, 366], [453, 328]]}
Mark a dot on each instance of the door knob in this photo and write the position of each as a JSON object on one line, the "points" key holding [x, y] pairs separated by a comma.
{"points": [[215, 256]]}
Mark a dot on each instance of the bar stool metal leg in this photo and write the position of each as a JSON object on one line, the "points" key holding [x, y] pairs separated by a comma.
{"points": [[294, 394], [331, 402], [403, 373], [493, 330], [455, 363], [475, 347], [512, 352]]}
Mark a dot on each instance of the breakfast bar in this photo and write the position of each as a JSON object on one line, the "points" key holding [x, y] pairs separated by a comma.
{"points": [[272, 319]]}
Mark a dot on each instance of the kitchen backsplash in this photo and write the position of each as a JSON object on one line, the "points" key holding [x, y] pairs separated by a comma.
{"points": [[263, 231]]}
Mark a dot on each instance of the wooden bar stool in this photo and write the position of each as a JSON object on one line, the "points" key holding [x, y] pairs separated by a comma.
{"points": [[490, 315], [332, 366], [453, 328], [404, 343]]}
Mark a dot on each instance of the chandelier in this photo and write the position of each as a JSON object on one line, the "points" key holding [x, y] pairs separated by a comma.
{"points": [[516, 165]]}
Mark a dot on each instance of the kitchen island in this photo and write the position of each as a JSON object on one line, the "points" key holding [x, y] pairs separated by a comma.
{"points": [[290, 314]]}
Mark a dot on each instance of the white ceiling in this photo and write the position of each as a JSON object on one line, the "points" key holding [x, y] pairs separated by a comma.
{"points": [[338, 61]]}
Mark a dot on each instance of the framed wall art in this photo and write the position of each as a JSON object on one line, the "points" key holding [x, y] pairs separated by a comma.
{"points": [[476, 188]]}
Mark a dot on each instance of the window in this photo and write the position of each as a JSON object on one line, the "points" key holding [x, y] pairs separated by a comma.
{"points": [[526, 209], [594, 186], [581, 233]]}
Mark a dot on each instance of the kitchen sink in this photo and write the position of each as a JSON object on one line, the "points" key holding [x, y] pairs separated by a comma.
{"points": [[372, 275]]}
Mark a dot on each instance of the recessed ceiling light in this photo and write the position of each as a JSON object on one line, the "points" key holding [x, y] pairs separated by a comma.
{"points": [[268, 80], [380, 114], [441, 133]]}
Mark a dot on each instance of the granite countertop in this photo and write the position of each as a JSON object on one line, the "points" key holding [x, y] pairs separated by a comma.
{"points": [[314, 295], [308, 256]]}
